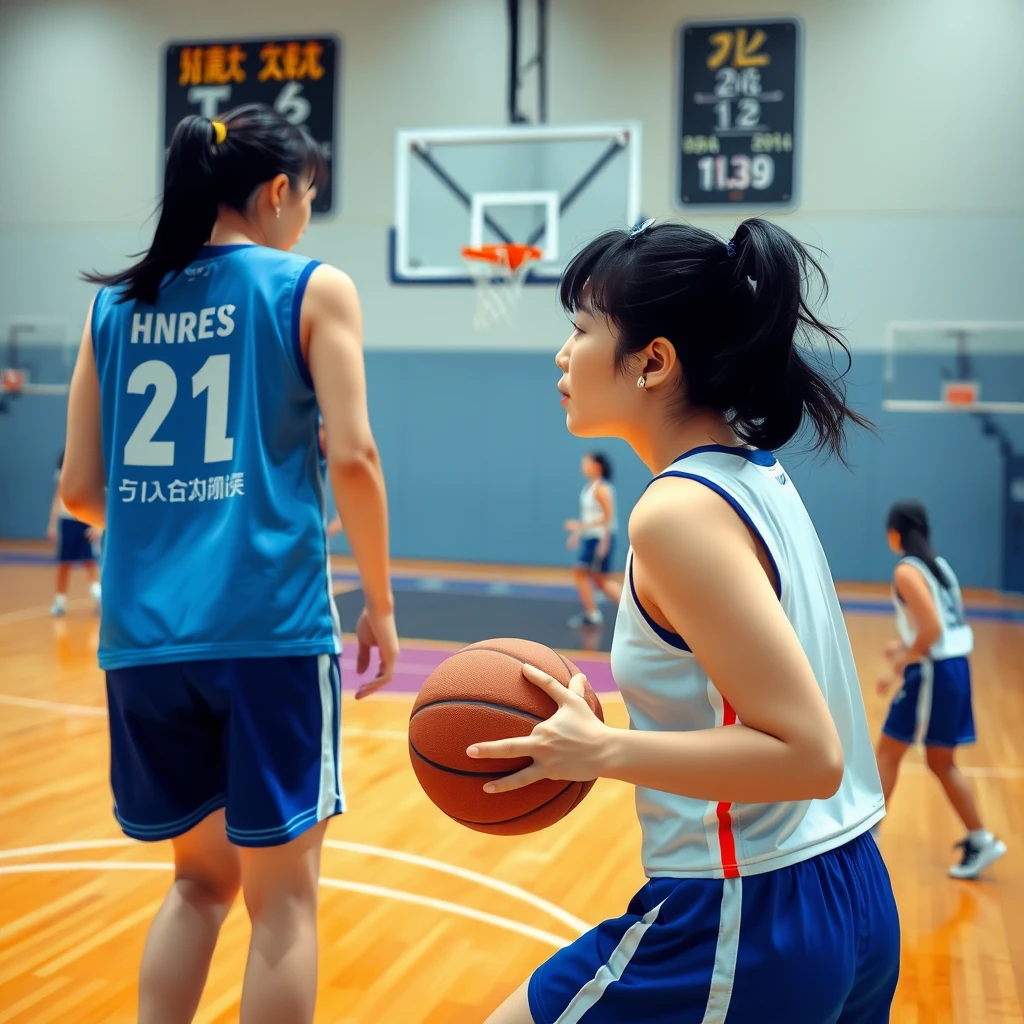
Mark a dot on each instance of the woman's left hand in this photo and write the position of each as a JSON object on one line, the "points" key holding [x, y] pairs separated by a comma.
{"points": [[569, 745]]}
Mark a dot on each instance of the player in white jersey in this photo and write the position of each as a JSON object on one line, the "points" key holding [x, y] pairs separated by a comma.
{"points": [[767, 899], [929, 664], [593, 535]]}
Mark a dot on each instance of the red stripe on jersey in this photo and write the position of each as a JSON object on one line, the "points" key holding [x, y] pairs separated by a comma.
{"points": [[726, 839]]}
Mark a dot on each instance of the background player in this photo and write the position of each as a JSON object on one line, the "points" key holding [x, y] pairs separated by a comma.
{"points": [[594, 535], [929, 662], [749, 746], [75, 542], [206, 363]]}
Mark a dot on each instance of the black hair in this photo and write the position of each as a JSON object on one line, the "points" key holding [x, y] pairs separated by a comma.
{"points": [[733, 311], [909, 519], [202, 175], [602, 460]]}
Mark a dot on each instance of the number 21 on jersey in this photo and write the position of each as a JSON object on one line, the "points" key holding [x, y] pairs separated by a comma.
{"points": [[213, 377]]}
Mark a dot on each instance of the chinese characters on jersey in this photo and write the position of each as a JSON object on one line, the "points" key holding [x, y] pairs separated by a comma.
{"points": [[212, 488]]}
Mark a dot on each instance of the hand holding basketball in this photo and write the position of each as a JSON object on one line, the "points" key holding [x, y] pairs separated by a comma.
{"points": [[567, 746]]}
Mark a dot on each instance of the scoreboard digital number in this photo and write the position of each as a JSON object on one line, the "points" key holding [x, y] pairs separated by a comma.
{"points": [[297, 75], [738, 131]]}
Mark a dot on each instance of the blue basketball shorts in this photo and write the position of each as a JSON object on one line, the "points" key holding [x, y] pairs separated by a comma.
{"points": [[73, 544], [588, 557], [259, 737], [814, 943], [934, 704]]}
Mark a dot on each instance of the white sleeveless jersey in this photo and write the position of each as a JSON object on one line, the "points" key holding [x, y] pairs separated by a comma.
{"points": [[957, 638], [666, 689], [591, 511]]}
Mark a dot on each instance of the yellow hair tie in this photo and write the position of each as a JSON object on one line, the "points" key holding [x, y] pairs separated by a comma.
{"points": [[220, 131]]}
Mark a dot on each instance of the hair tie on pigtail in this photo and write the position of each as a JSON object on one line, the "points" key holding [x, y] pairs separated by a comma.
{"points": [[220, 131], [640, 227], [730, 249]]}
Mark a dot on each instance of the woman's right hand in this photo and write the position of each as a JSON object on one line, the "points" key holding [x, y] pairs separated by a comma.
{"points": [[380, 631], [571, 525], [885, 684]]}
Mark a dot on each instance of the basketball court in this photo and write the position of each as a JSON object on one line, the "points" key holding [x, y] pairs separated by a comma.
{"points": [[456, 208]]}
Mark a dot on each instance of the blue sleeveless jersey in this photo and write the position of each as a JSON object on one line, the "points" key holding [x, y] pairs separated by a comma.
{"points": [[215, 544]]}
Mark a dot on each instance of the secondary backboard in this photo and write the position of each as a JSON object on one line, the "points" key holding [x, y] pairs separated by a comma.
{"points": [[954, 366], [550, 187]]}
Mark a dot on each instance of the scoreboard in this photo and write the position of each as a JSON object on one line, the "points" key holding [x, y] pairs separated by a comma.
{"points": [[738, 136], [297, 75]]}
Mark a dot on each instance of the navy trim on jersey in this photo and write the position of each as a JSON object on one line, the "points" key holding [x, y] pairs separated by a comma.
{"points": [[739, 510], [209, 252], [666, 634], [754, 455], [300, 291]]}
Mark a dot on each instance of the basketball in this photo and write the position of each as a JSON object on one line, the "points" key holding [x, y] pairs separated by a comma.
{"points": [[478, 695]]}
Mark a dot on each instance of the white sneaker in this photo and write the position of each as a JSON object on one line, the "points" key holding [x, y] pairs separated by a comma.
{"points": [[57, 608], [977, 856], [594, 618]]}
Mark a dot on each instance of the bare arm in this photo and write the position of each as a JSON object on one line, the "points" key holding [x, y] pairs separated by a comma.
{"points": [[82, 479], [332, 333], [698, 564], [917, 596]]}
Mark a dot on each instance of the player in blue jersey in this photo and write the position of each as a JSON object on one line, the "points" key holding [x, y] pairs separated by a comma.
{"points": [[192, 437]]}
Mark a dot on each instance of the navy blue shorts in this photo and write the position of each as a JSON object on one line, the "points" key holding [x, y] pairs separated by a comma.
{"points": [[257, 736], [73, 544], [814, 943], [936, 696], [588, 558]]}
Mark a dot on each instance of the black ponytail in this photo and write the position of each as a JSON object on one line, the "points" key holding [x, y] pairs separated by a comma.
{"points": [[734, 312], [202, 174], [602, 460], [909, 519]]}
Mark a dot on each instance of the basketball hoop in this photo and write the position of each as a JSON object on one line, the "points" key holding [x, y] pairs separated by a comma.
{"points": [[13, 381], [499, 273], [960, 392]]}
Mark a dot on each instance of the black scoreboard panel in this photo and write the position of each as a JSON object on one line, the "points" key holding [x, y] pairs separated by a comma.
{"points": [[737, 103], [297, 75]]}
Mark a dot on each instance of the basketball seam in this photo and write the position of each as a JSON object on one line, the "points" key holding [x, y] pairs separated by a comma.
{"points": [[479, 704], [519, 817], [497, 650], [455, 771]]}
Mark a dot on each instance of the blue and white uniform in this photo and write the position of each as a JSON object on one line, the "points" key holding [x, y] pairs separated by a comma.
{"points": [[591, 535], [934, 704], [753, 912], [218, 634]]}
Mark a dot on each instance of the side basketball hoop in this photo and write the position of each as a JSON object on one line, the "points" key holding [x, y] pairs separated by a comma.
{"points": [[960, 392], [499, 273]]}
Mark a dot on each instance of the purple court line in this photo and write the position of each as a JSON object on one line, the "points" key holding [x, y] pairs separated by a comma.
{"points": [[416, 663]]}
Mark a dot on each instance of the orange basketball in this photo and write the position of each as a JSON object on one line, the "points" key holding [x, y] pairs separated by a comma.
{"points": [[477, 695]]}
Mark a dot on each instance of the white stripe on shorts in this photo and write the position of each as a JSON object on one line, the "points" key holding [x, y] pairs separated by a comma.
{"points": [[924, 699], [723, 974], [589, 995], [330, 783]]}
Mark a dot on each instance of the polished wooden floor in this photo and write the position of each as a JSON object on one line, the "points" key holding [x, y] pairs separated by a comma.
{"points": [[422, 920]]}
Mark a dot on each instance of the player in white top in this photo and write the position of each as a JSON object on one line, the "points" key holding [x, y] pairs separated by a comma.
{"points": [[767, 899], [593, 535], [76, 543], [929, 664]]}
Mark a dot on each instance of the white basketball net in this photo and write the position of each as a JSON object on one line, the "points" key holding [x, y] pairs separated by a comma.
{"points": [[498, 288]]}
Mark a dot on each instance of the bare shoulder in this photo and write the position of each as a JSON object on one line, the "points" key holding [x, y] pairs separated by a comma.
{"points": [[330, 290], [909, 575], [678, 511]]}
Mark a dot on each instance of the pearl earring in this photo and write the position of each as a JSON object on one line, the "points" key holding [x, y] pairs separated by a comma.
{"points": [[279, 213], [641, 382]]}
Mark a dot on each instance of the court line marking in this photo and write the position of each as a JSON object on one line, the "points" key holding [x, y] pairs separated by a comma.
{"points": [[523, 895], [42, 611], [330, 883], [506, 888]]}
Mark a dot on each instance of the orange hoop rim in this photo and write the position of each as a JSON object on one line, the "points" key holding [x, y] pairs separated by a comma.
{"points": [[960, 392], [507, 254], [13, 380]]}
